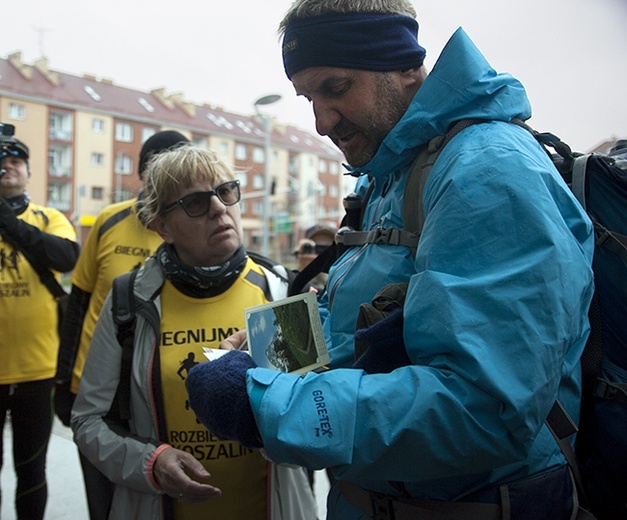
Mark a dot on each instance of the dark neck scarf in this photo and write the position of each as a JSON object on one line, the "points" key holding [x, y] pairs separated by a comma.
{"points": [[19, 203], [200, 282]]}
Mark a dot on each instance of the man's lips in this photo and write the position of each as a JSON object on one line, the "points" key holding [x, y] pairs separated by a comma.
{"points": [[344, 140], [222, 229]]}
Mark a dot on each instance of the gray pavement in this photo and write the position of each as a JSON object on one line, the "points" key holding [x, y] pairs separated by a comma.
{"points": [[66, 492]]}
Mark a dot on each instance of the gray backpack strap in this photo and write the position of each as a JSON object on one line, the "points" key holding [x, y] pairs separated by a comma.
{"points": [[578, 185], [413, 213]]}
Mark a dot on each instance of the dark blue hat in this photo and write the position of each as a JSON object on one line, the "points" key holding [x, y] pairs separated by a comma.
{"points": [[157, 143]]}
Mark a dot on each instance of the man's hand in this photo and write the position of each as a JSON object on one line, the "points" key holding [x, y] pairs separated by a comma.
{"points": [[175, 471], [217, 394], [383, 344]]}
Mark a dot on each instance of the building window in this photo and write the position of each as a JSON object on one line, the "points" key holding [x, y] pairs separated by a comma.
{"points": [[243, 206], [259, 155], [59, 160], [59, 195], [257, 207], [224, 147], [97, 192], [146, 105], [323, 166], [257, 181], [240, 152], [123, 132], [97, 125], [60, 126], [123, 165], [92, 93], [147, 133], [242, 177], [333, 191], [199, 140], [293, 165], [17, 111], [97, 159], [334, 168]]}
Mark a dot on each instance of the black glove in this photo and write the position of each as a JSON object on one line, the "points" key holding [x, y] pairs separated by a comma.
{"points": [[385, 348], [217, 394], [8, 220], [63, 402]]}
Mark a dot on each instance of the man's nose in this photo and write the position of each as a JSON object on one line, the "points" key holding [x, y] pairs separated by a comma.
{"points": [[327, 117]]}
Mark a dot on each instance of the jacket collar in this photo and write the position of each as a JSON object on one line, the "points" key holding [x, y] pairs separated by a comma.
{"points": [[461, 85]]}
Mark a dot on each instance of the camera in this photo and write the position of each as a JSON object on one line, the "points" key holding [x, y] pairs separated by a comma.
{"points": [[7, 143], [6, 130]]}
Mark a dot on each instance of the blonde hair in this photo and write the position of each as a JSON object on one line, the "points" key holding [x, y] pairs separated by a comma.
{"points": [[171, 172], [302, 9]]}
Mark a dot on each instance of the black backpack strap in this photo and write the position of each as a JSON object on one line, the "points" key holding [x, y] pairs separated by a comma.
{"points": [[320, 264], [610, 240], [562, 427], [282, 272], [124, 316]]}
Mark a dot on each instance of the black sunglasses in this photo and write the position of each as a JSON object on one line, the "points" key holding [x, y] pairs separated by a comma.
{"points": [[312, 249], [198, 203]]}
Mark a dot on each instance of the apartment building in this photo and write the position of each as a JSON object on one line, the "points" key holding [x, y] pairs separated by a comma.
{"points": [[85, 135]]}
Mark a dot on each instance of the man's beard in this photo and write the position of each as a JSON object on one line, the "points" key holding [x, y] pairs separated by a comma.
{"points": [[373, 126]]}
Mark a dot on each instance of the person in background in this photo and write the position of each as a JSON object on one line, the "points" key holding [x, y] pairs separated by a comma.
{"points": [[192, 292], [495, 317], [323, 236], [117, 243], [317, 239], [305, 253], [29, 322]]}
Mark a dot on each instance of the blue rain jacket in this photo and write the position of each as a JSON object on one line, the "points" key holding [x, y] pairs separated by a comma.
{"points": [[495, 317]]}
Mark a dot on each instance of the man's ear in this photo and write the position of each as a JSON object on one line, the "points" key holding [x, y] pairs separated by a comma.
{"points": [[159, 225], [414, 77]]}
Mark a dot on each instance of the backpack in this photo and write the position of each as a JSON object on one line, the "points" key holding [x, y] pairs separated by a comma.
{"points": [[599, 182]]}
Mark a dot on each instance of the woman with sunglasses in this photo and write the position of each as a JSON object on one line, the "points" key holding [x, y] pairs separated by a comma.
{"points": [[165, 464]]}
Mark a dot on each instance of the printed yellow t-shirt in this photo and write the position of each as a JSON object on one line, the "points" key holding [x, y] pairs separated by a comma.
{"points": [[188, 325], [29, 338], [117, 243]]}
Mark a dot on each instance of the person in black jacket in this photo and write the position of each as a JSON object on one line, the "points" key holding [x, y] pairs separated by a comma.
{"points": [[33, 239]]}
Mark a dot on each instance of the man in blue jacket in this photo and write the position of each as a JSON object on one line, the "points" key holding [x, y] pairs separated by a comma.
{"points": [[495, 318]]}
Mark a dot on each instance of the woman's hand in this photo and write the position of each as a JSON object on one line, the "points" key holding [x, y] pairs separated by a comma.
{"points": [[175, 470], [236, 341]]}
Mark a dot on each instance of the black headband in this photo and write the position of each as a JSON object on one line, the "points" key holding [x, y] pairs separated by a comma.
{"points": [[365, 41]]}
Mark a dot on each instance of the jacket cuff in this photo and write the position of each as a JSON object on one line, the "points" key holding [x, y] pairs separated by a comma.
{"points": [[151, 465]]}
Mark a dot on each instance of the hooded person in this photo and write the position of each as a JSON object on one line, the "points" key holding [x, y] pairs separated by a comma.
{"points": [[494, 321], [117, 243]]}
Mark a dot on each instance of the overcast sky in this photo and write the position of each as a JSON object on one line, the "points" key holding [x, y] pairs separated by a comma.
{"points": [[570, 54]]}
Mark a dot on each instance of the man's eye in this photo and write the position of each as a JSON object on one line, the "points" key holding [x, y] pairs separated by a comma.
{"points": [[338, 89]]}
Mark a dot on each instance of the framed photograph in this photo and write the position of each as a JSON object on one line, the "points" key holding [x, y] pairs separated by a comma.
{"points": [[286, 335]]}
